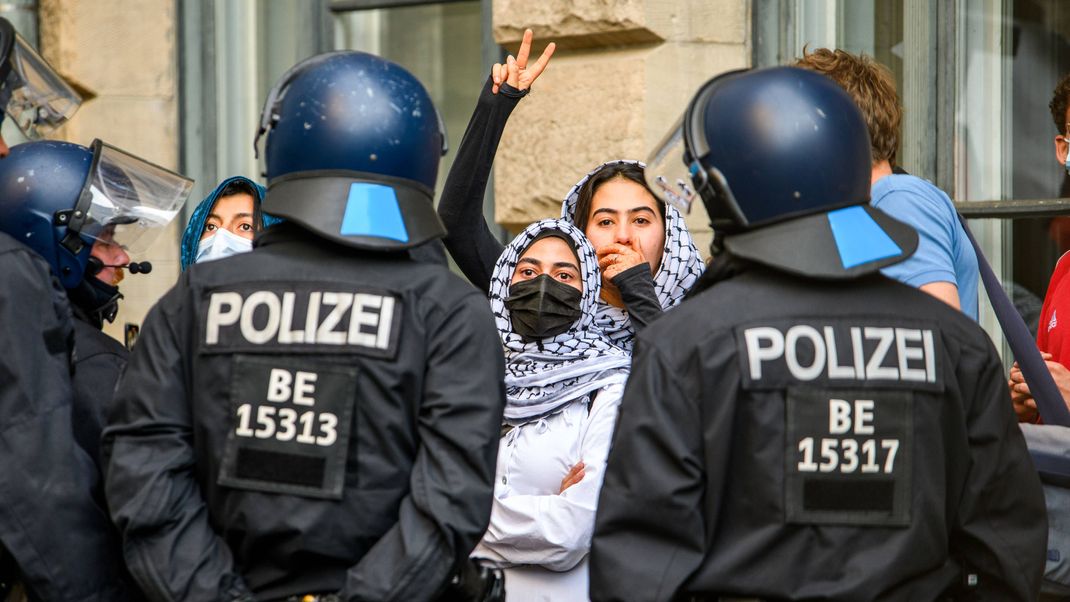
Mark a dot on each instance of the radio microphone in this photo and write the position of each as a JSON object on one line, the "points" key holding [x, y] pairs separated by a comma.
{"points": [[142, 267], [134, 267]]}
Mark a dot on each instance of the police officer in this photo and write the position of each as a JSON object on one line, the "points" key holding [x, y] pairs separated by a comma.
{"points": [[48, 482], [804, 428], [56, 542], [318, 417], [103, 204]]}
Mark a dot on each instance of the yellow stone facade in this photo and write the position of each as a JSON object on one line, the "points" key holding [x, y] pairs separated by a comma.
{"points": [[125, 54], [623, 73]]}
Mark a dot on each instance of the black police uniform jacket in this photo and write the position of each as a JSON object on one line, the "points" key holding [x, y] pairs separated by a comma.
{"points": [[306, 418], [849, 440], [50, 522], [98, 361]]}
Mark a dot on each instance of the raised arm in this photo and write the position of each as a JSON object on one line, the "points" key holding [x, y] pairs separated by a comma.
{"points": [[469, 239]]}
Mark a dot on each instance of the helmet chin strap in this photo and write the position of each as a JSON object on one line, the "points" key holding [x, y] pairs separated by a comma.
{"points": [[98, 301]]}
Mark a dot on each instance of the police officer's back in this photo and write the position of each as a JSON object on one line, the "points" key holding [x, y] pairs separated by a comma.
{"points": [[320, 415], [804, 428]]}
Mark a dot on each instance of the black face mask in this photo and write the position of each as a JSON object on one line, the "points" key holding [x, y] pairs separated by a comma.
{"points": [[94, 301], [542, 307]]}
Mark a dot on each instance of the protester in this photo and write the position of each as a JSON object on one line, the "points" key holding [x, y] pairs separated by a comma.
{"points": [[1054, 348], [225, 222], [563, 384], [645, 251]]}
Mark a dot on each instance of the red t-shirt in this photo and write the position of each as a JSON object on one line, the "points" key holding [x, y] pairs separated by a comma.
{"points": [[1053, 336]]}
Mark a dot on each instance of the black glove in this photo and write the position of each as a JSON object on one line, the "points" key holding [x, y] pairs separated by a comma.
{"points": [[475, 582]]}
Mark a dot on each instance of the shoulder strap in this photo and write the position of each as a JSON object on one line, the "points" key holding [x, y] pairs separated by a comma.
{"points": [[1049, 400]]}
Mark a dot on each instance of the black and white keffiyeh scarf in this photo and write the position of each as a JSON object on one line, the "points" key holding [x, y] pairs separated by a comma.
{"points": [[681, 265], [542, 377]]}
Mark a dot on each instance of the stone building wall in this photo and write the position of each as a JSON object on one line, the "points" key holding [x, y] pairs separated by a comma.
{"points": [[125, 54], [623, 73]]}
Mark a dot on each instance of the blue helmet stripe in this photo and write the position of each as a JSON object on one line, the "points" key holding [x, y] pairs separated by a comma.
{"points": [[373, 210], [859, 239]]}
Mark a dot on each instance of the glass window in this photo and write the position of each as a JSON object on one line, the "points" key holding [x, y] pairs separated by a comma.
{"points": [[439, 43], [975, 78], [234, 52]]}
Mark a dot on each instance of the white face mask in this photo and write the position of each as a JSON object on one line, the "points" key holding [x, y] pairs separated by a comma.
{"points": [[222, 244]]}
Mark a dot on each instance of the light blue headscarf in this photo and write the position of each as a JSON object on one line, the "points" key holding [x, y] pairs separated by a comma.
{"points": [[192, 236]]}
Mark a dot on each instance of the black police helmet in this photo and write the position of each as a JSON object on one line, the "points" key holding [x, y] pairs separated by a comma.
{"points": [[352, 151], [40, 183], [60, 198], [781, 160]]}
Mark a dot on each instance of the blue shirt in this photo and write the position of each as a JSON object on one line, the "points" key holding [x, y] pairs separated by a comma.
{"points": [[944, 252]]}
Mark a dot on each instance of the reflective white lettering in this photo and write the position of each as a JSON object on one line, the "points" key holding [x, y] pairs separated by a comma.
{"points": [[386, 321], [835, 369], [218, 317], [362, 317], [875, 352], [930, 356], [312, 316], [843, 454], [864, 416], [874, 368], [859, 353], [904, 336], [756, 353], [326, 332], [270, 301], [279, 385], [304, 388], [839, 416], [286, 334], [791, 344]]}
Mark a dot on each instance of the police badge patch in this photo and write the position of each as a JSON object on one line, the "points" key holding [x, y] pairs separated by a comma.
{"points": [[291, 424], [848, 455]]}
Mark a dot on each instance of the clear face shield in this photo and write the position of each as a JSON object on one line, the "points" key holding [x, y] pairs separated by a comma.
{"points": [[33, 95], [666, 172], [127, 201]]}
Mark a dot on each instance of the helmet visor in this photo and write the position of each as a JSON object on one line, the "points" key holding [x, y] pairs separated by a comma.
{"points": [[34, 96], [130, 201], [667, 173]]}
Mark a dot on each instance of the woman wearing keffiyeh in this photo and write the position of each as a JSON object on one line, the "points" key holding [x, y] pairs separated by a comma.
{"points": [[637, 276], [646, 254], [564, 380]]}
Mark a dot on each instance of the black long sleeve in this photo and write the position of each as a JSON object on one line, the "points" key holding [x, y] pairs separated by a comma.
{"points": [[469, 239], [636, 286]]}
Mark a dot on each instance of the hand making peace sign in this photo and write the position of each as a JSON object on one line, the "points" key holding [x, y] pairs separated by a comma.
{"points": [[516, 71]]}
